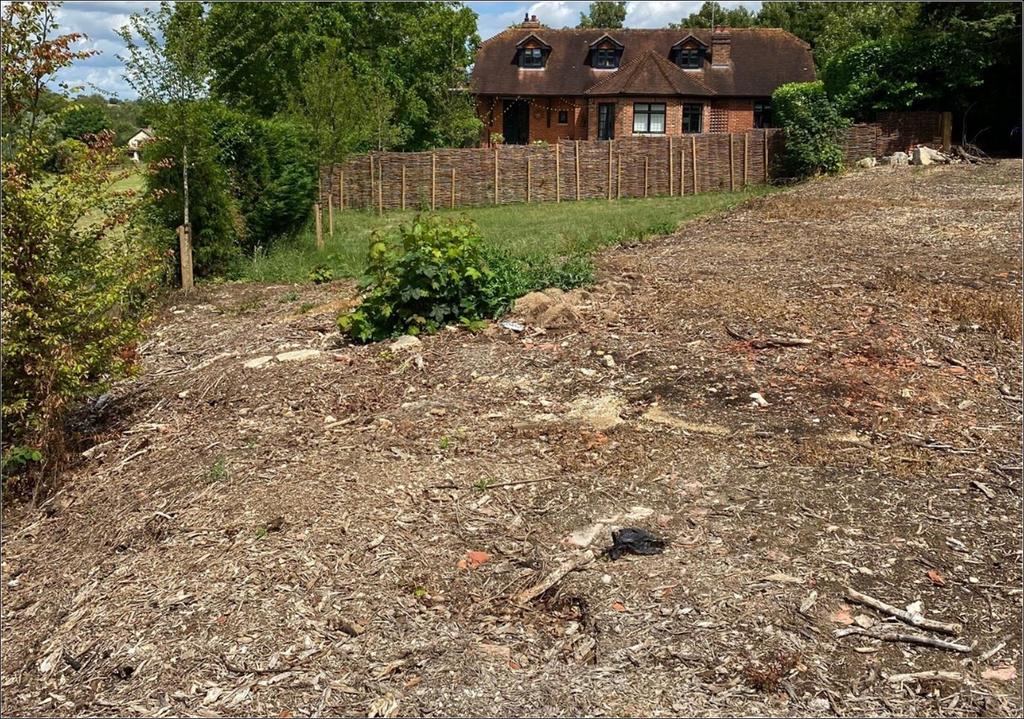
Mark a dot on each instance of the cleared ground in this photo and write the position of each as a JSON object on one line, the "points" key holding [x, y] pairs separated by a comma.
{"points": [[295, 539]]}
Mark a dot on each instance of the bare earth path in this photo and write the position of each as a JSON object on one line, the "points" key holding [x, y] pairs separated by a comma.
{"points": [[292, 539]]}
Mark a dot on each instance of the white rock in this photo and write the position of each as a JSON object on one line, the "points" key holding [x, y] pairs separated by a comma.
{"points": [[405, 342], [758, 399], [258, 362], [298, 355], [867, 162], [608, 360]]}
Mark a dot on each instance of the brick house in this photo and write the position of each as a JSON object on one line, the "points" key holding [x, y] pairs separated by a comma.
{"points": [[534, 83]]}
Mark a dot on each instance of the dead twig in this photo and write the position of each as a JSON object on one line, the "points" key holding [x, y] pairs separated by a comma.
{"points": [[907, 638], [924, 676], [916, 620], [554, 577]]}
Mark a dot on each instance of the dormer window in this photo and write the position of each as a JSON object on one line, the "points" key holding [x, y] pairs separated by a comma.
{"points": [[606, 58], [690, 58], [531, 57]]}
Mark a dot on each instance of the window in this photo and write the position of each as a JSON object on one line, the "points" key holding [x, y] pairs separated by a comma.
{"points": [[692, 116], [563, 117], [532, 57], [606, 58], [690, 58], [762, 114], [606, 121], [649, 118]]}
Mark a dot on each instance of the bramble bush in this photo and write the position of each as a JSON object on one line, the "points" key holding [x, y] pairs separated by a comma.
{"points": [[812, 126], [439, 273]]}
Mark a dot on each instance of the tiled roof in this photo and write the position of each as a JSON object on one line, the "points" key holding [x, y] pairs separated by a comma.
{"points": [[762, 59], [651, 74]]}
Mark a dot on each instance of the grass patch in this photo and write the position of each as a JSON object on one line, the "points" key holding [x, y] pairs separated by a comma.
{"points": [[534, 232]]}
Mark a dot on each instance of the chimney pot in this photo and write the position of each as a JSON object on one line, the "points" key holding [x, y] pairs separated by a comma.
{"points": [[533, 18]]}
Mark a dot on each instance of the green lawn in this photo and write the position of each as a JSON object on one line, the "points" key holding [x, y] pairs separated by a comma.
{"points": [[548, 229]]}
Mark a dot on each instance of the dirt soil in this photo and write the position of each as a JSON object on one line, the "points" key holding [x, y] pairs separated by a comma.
{"points": [[348, 531]]}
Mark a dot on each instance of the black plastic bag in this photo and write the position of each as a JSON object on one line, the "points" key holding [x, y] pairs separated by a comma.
{"points": [[633, 540]]}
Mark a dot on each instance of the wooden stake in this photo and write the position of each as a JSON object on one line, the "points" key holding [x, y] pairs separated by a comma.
{"points": [[185, 250], [495, 174], [341, 191], [370, 203], [618, 176], [319, 227], [682, 172], [529, 175], [647, 167], [558, 172], [452, 203], [433, 181], [610, 143], [380, 187], [671, 170], [693, 162], [764, 135], [330, 214], [577, 170], [403, 188], [732, 165], [746, 156]]}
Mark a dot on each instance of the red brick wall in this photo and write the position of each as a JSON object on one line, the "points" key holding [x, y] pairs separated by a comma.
{"points": [[489, 110]]}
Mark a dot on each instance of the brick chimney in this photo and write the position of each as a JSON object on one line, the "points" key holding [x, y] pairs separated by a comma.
{"points": [[530, 21], [721, 46]]}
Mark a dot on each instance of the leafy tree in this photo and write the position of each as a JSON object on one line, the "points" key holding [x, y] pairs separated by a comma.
{"points": [[74, 272], [812, 127], [419, 52], [712, 14], [604, 14], [806, 20], [80, 120]]}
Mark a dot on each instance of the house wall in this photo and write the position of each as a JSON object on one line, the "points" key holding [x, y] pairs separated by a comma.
{"points": [[543, 122]]}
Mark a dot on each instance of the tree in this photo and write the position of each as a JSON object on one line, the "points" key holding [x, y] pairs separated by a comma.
{"points": [[74, 271], [712, 14], [812, 126], [167, 66], [804, 19], [419, 51], [80, 120], [604, 14]]}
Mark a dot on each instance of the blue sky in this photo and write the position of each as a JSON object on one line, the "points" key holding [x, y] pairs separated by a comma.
{"points": [[99, 21]]}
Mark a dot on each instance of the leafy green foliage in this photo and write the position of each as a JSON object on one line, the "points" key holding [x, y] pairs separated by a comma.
{"points": [[513, 276], [261, 52], [604, 14], [79, 121], [812, 126], [66, 154], [321, 274], [436, 275], [713, 14]]}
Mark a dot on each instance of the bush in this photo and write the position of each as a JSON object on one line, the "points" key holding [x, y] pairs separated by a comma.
{"points": [[514, 276], [66, 155], [80, 120], [75, 277], [812, 128], [250, 181], [436, 275]]}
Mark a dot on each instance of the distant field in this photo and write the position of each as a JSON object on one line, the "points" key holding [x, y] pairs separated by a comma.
{"points": [[525, 229]]}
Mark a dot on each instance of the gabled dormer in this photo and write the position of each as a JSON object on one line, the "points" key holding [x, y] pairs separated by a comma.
{"points": [[689, 53], [532, 52], [605, 53]]}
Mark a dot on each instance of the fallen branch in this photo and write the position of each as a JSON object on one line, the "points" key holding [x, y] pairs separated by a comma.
{"points": [[907, 638], [769, 341], [923, 676], [554, 577], [916, 620]]}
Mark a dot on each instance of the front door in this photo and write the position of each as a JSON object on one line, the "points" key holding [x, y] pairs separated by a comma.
{"points": [[516, 122], [606, 121]]}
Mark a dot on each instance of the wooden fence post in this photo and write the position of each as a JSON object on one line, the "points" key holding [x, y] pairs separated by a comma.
{"points": [[946, 129], [682, 172], [647, 167], [380, 187], [453, 189], [693, 161], [185, 249], [610, 143], [341, 191], [330, 214], [732, 165], [319, 227], [529, 175], [403, 187], [496, 174], [433, 181], [618, 176], [370, 203], [746, 156], [558, 172], [764, 136], [577, 170], [671, 170]]}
